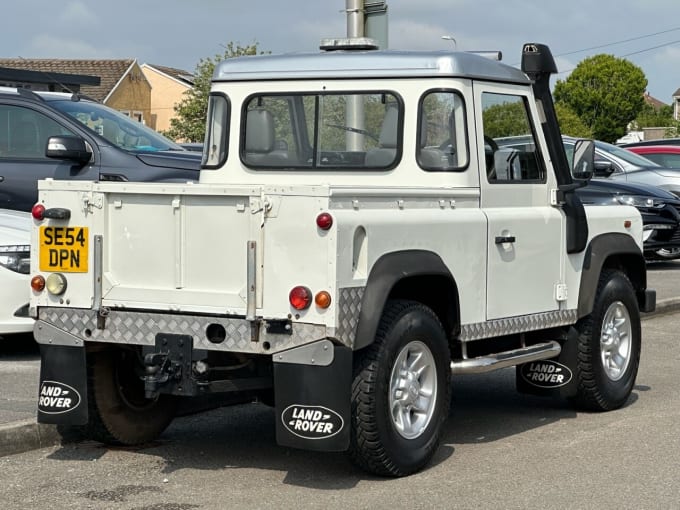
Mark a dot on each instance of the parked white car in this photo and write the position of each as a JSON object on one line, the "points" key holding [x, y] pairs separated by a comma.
{"points": [[15, 240]]}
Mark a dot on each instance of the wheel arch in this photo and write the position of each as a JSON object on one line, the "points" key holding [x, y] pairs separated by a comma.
{"points": [[616, 251], [417, 275]]}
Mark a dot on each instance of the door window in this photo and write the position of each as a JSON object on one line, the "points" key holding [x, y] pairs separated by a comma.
{"points": [[24, 132], [509, 141]]}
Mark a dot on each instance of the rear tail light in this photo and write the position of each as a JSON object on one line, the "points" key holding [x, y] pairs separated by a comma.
{"points": [[56, 284], [38, 212], [322, 299], [300, 297], [324, 221], [38, 283]]}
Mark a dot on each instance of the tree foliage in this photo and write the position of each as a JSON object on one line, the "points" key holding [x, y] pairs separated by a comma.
{"points": [[570, 123], [652, 117], [188, 124], [505, 119], [605, 92]]}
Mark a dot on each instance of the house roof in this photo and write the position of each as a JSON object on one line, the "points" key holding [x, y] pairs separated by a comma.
{"points": [[654, 102], [109, 71], [178, 74]]}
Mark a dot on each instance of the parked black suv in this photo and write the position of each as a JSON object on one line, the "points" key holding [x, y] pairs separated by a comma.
{"points": [[65, 136]]}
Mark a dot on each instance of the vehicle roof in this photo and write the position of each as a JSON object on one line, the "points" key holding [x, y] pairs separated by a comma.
{"points": [[367, 64], [45, 95], [655, 149]]}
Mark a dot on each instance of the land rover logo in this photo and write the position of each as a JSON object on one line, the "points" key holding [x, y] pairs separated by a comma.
{"points": [[57, 398], [311, 422], [546, 374]]}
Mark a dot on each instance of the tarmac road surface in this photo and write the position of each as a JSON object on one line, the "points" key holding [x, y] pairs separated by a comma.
{"points": [[500, 450]]}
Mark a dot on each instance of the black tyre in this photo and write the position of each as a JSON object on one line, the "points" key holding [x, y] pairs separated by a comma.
{"points": [[119, 413], [400, 392], [609, 345]]}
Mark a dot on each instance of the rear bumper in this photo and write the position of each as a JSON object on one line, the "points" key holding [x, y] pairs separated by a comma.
{"points": [[75, 326]]}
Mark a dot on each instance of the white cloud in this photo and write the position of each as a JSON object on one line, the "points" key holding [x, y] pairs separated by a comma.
{"points": [[79, 14]]}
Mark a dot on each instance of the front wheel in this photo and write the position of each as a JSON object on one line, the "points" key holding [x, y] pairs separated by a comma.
{"points": [[609, 345], [400, 392], [119, 413], [668, 253]]}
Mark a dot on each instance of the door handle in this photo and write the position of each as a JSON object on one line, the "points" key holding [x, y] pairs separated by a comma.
{"points": [[2, 178], [505, 239]]}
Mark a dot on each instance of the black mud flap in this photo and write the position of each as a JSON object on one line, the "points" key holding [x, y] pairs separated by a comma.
{"points": [[313, 397], [554, 377], [62, 397]]}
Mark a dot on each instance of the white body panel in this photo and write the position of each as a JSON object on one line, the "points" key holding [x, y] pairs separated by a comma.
{"points": [[183, 248]]}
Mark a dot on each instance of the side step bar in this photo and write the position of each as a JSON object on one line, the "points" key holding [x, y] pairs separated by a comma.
{"points": [[505, 359]]}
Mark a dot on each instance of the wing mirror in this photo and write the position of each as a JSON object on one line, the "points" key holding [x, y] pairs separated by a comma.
{"points": [[68, 147], [584, 160], [604, 168]]}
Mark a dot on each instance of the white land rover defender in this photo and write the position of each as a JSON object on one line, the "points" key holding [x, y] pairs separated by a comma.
{"points": [[358, 235]]}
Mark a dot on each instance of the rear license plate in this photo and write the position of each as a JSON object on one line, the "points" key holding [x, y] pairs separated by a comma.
{"points": [[64, 249]]}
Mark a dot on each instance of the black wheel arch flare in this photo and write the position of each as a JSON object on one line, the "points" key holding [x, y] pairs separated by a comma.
{"points": [[419, 275], [614, 250]]}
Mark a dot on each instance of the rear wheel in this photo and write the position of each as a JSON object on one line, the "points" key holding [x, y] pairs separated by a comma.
{"points": [[119, 413], [609, 345], [400, 392]]}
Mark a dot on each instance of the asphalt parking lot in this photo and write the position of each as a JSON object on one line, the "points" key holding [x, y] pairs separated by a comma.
{"points": [[500, 449], [20, 365]]}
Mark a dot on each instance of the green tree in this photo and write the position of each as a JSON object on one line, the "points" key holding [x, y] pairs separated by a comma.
{"points": [[190, 113], [606, 93], [505, 119], [570, 123], [652, 117]]}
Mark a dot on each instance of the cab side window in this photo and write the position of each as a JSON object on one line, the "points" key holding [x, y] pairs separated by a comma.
{"points": [[510, 147], [442, 140], [24, 132]]}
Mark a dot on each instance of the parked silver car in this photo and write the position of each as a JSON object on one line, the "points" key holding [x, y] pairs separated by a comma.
{"points": [[615, 163]]}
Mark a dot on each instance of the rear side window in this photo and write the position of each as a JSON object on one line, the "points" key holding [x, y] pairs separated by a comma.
{"points": [[24, 132], [361, 130], [216, 132], [442, 140]]}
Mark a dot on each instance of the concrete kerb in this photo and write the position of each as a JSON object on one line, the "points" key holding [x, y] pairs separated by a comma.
{"points": [[25, 435]]}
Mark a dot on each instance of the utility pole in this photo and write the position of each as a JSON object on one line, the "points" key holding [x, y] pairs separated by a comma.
{"points": [[355, 107]]}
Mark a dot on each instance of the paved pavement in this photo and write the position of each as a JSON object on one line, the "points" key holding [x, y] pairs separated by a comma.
{"points": [[20, 366]]}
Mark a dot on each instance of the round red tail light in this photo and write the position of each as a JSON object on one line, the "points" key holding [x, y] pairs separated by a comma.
{"points": [[38, 211], [300, 297], [324, 221]]}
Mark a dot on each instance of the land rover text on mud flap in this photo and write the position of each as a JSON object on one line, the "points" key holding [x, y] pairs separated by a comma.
{"points": [[357, 236]]}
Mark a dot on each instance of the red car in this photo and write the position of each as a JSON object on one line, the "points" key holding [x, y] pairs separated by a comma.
{"points": [[665, 155]]}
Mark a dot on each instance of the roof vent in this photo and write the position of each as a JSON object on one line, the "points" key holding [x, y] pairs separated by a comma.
{"points": [[348, 43]]}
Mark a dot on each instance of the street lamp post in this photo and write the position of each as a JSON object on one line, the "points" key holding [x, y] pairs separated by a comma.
{"points": [[452, 39]]}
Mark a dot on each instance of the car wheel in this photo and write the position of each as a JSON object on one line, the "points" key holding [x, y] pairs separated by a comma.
{"points": [[608, 345], [668, 253], [400, 392], [119, 413]]}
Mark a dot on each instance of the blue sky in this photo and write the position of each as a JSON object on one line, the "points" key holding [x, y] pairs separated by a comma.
{"points": [[178, 33]]}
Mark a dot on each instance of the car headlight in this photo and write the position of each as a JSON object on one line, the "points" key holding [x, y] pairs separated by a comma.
{"points": [[640, 201], [16, 258]]}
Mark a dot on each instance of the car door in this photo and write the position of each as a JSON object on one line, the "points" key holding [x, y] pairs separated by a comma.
{"points": [[526, 235], [24, 131]]}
